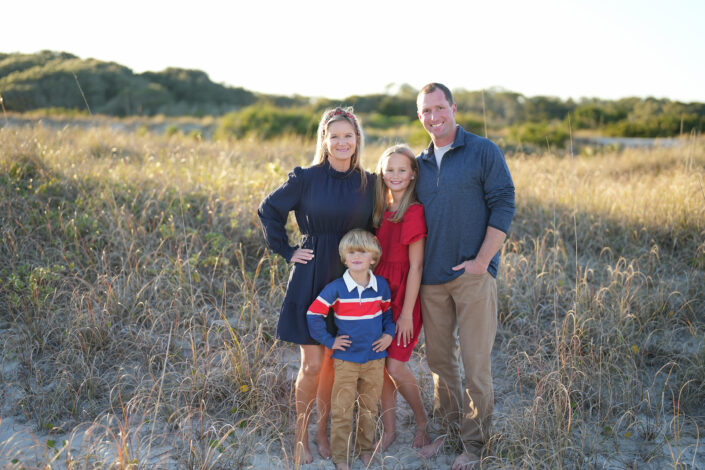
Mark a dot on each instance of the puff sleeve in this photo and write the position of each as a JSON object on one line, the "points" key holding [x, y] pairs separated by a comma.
{"points": [[413, 225], [274, 211]]}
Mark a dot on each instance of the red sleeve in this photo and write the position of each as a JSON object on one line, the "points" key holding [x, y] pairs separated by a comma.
{"points": [[413, 225]]}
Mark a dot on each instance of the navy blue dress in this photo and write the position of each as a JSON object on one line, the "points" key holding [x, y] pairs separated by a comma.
{"points": [[327, 204]]}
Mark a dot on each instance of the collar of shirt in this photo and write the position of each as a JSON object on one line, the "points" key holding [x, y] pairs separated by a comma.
{"points": [[351, 284], [459, 141]]}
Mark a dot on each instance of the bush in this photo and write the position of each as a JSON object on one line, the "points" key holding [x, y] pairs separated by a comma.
{"points": [[540, 134], [418, 137], [266, 122], [471, 122], [381, 121]]}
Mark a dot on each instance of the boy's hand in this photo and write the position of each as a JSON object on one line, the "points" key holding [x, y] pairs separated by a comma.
{"points": [[382, 343], [341, 342]]}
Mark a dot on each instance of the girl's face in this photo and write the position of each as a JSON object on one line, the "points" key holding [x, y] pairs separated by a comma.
{"points": [[397, 173], [340, 140]]}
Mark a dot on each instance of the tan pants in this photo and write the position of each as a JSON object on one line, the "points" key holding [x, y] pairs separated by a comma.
{"points": [[351, 379], [462, 311]]}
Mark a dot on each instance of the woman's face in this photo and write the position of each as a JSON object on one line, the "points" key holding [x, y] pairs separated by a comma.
{"points": [[340, 141]]}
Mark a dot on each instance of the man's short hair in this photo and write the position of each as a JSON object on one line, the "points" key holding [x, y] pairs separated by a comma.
{"points": [[358, 239], [431, 87]]}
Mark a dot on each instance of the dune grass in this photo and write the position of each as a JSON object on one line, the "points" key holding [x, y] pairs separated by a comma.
{"points": [[138, 304]]}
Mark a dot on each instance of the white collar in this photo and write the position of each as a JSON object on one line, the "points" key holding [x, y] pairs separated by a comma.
{"points": [[351, 284]]}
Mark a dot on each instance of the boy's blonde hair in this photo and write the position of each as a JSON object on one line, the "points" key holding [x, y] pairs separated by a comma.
{"points": [[358, 239]]}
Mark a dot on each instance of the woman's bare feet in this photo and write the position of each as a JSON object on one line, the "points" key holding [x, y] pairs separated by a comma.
{"points": [[302, 454], [387, 439], [421, 438], [430, 450], [341, 466], [323, 445]]}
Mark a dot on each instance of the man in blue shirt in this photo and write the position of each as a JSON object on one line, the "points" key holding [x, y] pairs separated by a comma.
{"points": [[468, 197]]}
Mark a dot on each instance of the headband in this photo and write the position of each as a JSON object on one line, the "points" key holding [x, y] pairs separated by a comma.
{"points": [[341, 112]]}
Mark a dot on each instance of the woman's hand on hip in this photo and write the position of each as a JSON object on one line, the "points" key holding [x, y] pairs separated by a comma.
{"points": [[302, 256]]}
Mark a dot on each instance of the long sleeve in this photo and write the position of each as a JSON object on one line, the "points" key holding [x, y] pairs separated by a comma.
{"points": [[499, 189], [274, 211], [316, 316]]}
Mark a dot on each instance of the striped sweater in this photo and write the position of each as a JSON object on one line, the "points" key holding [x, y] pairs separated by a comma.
{"points": [[362, 313]]}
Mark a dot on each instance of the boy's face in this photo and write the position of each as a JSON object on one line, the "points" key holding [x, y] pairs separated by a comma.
{"points": [[359, 261]]}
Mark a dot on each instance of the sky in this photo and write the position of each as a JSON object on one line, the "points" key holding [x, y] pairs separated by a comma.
{"points": [[606, 49]]}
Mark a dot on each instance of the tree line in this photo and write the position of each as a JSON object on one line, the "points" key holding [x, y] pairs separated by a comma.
{"points": [[50, 79]]}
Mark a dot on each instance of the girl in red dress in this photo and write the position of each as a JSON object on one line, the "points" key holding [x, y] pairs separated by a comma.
{"points": [[401, 230]]}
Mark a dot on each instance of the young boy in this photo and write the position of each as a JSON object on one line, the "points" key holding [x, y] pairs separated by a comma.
{"points": [[361, 303]]}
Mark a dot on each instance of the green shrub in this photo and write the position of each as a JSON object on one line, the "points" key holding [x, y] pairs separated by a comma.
{"points": [[540, 134], [471, 122], [172, 129], [266, 122], [418, 137], [382, 121]]}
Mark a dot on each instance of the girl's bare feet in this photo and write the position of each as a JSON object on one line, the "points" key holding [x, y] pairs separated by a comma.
{"points": [[466, 461], [387, 439], [323, 445], [421, 438], [430, 450]]}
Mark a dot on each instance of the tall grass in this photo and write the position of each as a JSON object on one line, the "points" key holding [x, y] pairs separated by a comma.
{"points": [[138, 304]]}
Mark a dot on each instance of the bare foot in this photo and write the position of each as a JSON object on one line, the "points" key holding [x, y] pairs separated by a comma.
{"points": [[366, 458], [430, 450], [341, 466], [466, 461], [323, 445], [421, 439], [302, 454], [387, 439]]}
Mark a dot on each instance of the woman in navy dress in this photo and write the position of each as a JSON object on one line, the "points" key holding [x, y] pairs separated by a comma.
{"points": [[329, 198]]}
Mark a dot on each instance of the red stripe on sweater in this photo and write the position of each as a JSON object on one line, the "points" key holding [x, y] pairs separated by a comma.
{"points": [[356, 309]]}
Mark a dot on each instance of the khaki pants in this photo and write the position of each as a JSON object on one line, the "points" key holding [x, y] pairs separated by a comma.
{"points": [[462, 311], [351, 379]]}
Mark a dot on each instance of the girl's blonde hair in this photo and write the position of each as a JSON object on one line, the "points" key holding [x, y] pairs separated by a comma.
{"points": [[341, 114], [358, 239], [382, 192]]}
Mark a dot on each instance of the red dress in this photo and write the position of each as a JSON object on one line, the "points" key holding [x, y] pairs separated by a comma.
{"points": [[395, 239]]}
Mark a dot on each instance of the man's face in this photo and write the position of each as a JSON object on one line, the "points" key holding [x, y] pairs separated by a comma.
{"points": [[437, 117]]}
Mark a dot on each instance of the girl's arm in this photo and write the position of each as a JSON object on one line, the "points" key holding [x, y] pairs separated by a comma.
{"points": [[405, 322]]}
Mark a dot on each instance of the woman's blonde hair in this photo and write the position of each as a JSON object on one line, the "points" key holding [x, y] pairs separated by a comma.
{"points": [[358, 239], [382, 192], [341, 114]]}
